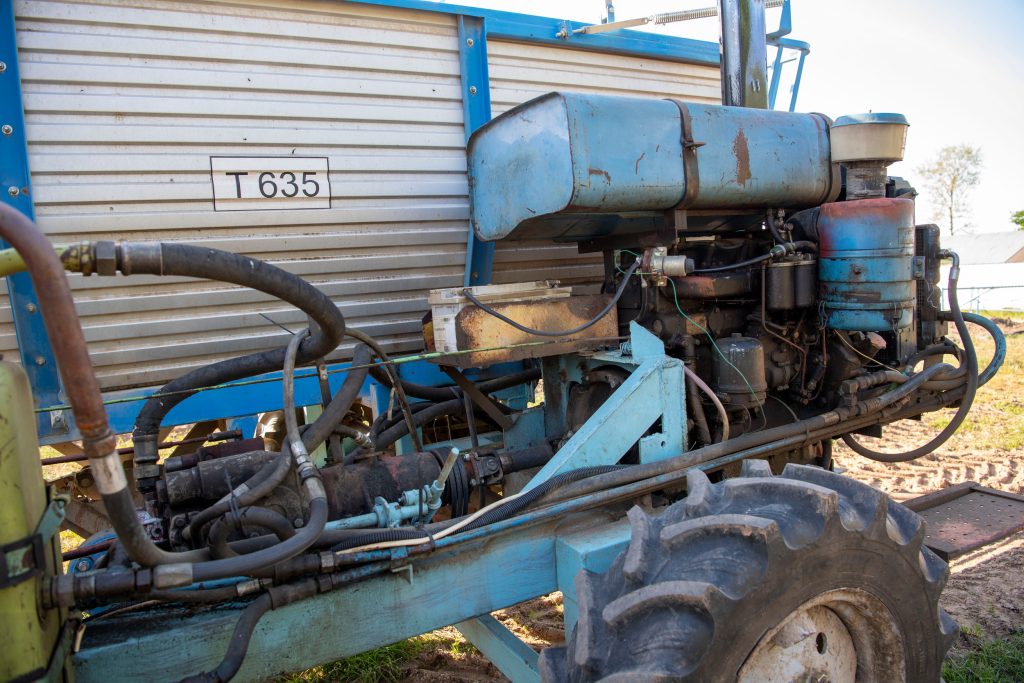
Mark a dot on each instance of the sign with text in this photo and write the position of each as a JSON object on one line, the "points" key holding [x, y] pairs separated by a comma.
{"points": [[262, 183]]}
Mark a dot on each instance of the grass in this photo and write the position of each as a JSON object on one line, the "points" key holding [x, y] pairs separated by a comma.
{"points": [[996, 421], [386, 664], [990, 662]]}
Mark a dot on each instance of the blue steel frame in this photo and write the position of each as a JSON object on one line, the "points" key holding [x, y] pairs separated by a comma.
{"points": [[33, 343], [476, 26]]}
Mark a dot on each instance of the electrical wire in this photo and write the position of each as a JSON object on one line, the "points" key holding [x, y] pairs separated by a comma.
{"points": [[849, 345], [562, 333], [675, 298], [702, 385]]}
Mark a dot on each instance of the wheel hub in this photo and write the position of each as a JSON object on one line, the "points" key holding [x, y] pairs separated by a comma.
{"points": [[841, 636]]}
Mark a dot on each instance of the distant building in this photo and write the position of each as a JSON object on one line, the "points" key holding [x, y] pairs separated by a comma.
{"points": [[990, 247], [992, 270]]}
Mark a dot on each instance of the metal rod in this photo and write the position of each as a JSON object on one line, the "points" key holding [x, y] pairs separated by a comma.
{"points": [[744, 53], [661, 19], [216, 436]]}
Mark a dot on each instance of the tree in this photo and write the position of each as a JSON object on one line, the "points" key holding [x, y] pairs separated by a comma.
{"points": [[1018, 219], [949, 178]]}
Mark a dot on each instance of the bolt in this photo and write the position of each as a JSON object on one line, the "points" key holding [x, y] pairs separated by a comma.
{"points": [[83, 566], [469, 42], [472, 90], [7, 129], [3, 67], [297, 523], [179, 522], [472, 482], [31, 308], [465, 457], [40, 360], [13, 191]]}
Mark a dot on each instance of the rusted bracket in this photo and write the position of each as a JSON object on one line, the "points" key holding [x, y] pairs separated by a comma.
{"points": [[486, 403]]}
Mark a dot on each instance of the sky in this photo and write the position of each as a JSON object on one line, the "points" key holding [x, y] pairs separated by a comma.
{"points": [[955, 69]]}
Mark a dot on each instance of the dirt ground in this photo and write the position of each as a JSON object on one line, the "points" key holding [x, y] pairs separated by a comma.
{"points": [[985, 592]]}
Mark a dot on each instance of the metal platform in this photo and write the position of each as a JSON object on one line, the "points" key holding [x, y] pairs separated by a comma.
{"points": [[968, 516]]}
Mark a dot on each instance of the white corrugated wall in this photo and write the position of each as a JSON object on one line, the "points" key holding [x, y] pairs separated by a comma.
{"points": [[520, 72], [126, 101]]}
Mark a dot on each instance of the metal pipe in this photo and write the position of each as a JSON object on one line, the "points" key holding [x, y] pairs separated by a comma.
{"points": [[744, 53], [128, 450], [68, 343]]}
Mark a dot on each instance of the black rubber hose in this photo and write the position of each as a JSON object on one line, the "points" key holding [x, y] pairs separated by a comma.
{"points": [[437, 394], [491, 386], [467, 292], [777, 251], [314, 435], [202, 262], [218, 594], [403, 400], [250, 517], [239, 643], [392, 434], [825, 421], [524, 501], [357, 538], [734, 266], [972, 381], [998, 338]]}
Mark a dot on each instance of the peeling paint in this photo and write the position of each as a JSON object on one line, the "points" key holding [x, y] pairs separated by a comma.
{"points": [[741, 151]]}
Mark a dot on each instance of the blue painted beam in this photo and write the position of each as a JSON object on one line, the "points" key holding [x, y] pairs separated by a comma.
{"points": [[651, 392], [33, 343], [476, 111], [593, 550], [239, 400], [512, 656], [545, 30], [446, 587]]}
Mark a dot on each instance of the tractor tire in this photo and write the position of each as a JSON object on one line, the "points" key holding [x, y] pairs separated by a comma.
{"points": [[807, 576]]}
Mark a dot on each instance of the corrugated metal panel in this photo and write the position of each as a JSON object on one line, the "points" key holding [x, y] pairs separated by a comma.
{"points": [[520, 72], [127, 100]]}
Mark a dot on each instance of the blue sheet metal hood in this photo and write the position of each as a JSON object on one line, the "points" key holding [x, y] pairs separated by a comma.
{"points": [[574, 167]]}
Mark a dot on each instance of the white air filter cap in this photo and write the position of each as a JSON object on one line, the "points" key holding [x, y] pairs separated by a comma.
{"points": [[869, 137]]}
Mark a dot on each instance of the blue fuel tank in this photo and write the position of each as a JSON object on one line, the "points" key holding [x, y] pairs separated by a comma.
{"points": [[575, 167], [866, 264]]}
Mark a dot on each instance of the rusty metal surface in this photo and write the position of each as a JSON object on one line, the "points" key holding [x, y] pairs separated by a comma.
{"points": [[351, 489], [968, 516], [477, 329]]}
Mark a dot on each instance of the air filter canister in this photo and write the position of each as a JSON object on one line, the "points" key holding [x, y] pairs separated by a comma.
{"points": [[866, 264]]}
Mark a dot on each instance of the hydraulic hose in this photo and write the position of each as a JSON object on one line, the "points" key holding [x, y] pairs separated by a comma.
{"points": [[250, 517], [825, 423], [69, 349], [201, 262], [396, 384], [972, 382], [239, 643], [777, 251], [998, 338], [722, 415], [314, 435], [437, 394]]}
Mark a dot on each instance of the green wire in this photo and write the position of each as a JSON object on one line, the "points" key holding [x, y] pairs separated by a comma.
{"points": [[675, 298]]}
